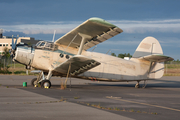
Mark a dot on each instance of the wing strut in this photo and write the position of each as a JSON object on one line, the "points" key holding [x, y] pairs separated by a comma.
{"points": [[84, 38], [70, 43]]}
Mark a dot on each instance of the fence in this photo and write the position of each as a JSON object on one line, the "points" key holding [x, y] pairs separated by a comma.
{"points": [[170, 68], [7, 66]]}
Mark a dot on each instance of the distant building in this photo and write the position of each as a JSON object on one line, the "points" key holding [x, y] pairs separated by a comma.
{"points": [[7, 41]]}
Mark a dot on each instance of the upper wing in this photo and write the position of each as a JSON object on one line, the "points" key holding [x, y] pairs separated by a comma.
{"points": [[156, 58], [98, 29], [79, 64]]}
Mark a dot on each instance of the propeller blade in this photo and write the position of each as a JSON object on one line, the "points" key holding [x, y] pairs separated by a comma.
{"points": [[16, 41], [13, 46]]}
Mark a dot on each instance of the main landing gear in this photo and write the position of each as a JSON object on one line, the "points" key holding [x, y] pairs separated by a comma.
{"points": [[138, 86], [42, 81]]}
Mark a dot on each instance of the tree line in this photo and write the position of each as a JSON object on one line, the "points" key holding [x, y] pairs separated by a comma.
{"points": [[129, 55], [122, 55]]}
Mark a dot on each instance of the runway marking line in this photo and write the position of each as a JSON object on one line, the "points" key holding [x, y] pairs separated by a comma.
{"points": [[119, 98]]}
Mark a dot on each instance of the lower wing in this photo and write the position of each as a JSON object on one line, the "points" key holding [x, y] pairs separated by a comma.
{"points": [[76, 65]]}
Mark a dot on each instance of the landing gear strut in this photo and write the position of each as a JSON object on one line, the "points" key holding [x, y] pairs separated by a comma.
{"points": [[137, 85], [34, 82], [145, 83], [43, 81]]}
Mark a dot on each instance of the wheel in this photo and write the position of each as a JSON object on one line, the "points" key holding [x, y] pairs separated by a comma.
{"points": [[45, 84], [33, 82], [137, 86]]}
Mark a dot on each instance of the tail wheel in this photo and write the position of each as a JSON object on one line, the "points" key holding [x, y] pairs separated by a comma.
{"points": [[45, 84]]}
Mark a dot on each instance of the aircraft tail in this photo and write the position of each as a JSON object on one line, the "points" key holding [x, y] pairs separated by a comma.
{"points": [[149, 50], [148, 46]]}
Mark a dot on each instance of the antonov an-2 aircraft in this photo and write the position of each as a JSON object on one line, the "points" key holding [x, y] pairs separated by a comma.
{"points": [[69, 56]]}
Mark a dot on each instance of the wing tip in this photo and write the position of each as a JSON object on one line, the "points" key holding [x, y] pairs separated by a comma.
{"points": [[101, 21]]}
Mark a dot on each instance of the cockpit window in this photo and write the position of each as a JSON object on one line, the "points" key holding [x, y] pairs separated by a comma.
{"points": [[42, 44], [38, 43], [46, 45], [49, 45]]}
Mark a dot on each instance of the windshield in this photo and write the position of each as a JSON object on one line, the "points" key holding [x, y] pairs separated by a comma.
{"points": [[46, 45]]}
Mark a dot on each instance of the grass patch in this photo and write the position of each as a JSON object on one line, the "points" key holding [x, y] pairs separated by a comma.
{"points": [[172, 66], [115, 108], [138, 111], [132, 110], [76, 97], [5, 72], [17, 65], [20, 72], [171, 74]]}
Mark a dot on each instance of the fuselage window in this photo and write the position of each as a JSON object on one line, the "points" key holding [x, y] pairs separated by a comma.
{"points": [[42, 44], [48, 45]]}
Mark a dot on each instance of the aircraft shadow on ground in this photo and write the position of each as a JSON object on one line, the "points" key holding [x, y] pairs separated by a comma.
{"points": [[149, 84]]}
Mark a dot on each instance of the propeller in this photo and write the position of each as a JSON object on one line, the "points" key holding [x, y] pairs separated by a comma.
{"points": [[13, 47], [14, 44]]}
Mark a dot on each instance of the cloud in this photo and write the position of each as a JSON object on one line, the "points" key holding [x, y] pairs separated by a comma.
{"points": [[128, 26], [49, 28], [167, 25]]}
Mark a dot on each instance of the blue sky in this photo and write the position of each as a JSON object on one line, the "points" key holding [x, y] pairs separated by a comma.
{"points": [[137, 18]]}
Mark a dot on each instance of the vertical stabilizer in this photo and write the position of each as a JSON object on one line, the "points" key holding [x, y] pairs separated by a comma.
{"points": [[150, 46]]}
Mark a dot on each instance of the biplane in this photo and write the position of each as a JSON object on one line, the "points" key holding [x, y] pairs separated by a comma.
{"points": [[68, 55]]}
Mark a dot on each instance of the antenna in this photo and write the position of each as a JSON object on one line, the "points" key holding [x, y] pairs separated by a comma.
{"points": [[53, 35]]}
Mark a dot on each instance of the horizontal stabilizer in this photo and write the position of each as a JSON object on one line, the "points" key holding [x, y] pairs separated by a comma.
{"points": [[79, 64], [156, 58]]}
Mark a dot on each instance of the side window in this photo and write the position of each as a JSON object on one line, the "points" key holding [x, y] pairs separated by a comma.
{"points": [[55, 47], [42, 44], [48, 45]]}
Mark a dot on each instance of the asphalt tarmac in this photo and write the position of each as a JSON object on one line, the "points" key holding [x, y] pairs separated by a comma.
{"points": [[90, 100]]}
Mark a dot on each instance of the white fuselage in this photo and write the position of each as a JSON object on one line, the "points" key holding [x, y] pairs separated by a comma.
{"points": [[111, 68], [117, 69]]}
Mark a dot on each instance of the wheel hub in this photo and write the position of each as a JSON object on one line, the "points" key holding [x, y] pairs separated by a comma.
{"points": [[46, 85]]}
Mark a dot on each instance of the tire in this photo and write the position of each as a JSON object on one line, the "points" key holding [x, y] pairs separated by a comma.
{"points": [[32, 81], [45, 84]]}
